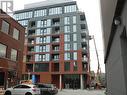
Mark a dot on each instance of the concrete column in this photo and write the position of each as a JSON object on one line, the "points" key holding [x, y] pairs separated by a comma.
{"points": [[60, 84], [81, 82]]}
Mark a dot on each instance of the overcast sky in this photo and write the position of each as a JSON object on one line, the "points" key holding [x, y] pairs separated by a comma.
{"points": [[92, 11]]}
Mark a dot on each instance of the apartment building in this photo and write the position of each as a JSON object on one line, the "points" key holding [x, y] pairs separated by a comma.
{"points": [[11, 50], [56, 44]]}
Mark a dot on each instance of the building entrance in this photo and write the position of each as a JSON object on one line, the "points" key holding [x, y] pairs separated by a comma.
{"points": [[2, 81], [71, 81]]}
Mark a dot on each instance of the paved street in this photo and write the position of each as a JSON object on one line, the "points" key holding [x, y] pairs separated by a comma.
{"points": [[81, 92]]}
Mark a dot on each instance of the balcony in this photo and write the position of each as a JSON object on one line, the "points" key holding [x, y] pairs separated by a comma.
{"points": [[30, 49], [55, 21], [84, 67], [32, 24], [31, 33], [55, 40], [29, 58], [55, 57], [55, 30], [29, 67], [55, 48], [85, 59]]}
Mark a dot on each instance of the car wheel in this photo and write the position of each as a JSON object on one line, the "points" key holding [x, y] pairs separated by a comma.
{"points": [[7, 93], [28, 93]]}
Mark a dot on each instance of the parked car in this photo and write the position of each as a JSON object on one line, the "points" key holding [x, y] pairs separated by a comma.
{"points": [[23, 89], [47, 89]]}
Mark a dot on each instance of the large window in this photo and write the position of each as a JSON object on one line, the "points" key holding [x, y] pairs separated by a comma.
{"points": [[3, 50], [74, 37], [44, 31], [67, 20], [45, 39], [23, 22], [44, 23], [38, 13], [71, 8], [13, 54], [74, 19], [67, 66], [16, 34], [24, 15], [57, 10], [67, 56], [75, 55], [44, 48], [74, 28], [41, 67], [67, 38], [67, 29], [42, 57], [5, 27], [75, 46], [67, 46]]}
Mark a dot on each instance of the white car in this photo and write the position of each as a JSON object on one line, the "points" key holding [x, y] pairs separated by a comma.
{"points": [[23, 89]]}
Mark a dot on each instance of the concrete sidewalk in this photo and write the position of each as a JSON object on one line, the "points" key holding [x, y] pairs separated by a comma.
{"points": [[81, 92]]}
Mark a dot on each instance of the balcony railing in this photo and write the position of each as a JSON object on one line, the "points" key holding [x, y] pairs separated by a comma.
{"points": [[56, 24]]}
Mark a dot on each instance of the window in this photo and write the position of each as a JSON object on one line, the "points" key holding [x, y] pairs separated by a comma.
{"points": [[67, 56], [16, 34], [66, 38], [49, 22], [74, 37], [74, 28], [5, 27], [75, 55], [42, 57], [71, 8], [67, 20], [22, 86], [23, 22], [41, 67], [57, 10], [67, 66], [3, 50], [75, 46], [67, 46], [43, 40], [67, 29], [24, 15], [13, 54], [38, 13], [74, 19]]}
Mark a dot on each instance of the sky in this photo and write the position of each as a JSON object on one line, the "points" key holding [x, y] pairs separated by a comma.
{"points": [[92, 12]]}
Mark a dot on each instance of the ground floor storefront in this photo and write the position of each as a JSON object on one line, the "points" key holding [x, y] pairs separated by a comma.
{"points": [[62, 81], [8, 78]]}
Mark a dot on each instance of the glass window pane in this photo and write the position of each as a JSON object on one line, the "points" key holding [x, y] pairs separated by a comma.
{"points": [[75, 46], [74, 19], [74, 37], [16, 34], [75, 55], [67, 29], [5, 27], [67, 20], [74, 28], [13, 54], [44, 67], [3, 50]]}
